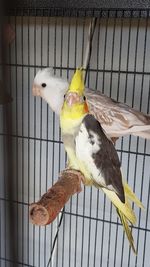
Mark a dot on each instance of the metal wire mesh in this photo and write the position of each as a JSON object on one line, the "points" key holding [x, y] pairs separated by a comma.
{"points": [[90, 233]]}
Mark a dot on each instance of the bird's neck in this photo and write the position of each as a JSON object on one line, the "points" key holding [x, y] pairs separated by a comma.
{"points": [[74, 112], [70, 120], [70, 126]]}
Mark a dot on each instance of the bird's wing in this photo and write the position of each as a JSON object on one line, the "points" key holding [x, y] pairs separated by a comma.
{"points": [[99, 156], [117, 118]]}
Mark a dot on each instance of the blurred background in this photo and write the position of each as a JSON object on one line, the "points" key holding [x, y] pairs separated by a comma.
{"points": [[37, 34]]}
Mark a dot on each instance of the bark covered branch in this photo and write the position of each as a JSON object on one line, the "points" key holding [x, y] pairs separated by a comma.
{"points": [[47, 208]]}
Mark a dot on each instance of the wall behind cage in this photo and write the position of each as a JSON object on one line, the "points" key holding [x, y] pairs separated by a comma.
{"points": [[90, 234]]}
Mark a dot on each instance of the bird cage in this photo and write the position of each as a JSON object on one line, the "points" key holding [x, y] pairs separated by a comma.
{"points": [[38, 34]]}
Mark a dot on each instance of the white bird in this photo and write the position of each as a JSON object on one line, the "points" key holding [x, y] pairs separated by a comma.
{"points": [[117, 119]]}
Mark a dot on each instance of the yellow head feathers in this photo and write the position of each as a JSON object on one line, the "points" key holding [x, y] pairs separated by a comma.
{"points": [[75, 106], [77, 83]]}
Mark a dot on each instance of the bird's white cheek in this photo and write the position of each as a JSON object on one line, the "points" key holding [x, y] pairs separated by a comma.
{"points": [[55, 101]]}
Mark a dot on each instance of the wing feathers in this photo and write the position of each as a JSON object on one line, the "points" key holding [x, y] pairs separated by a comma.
{"points": [[116, 118], [99, 156]]}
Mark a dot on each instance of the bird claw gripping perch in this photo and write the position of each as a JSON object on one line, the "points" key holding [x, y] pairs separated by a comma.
{"points": [[77, 173]]}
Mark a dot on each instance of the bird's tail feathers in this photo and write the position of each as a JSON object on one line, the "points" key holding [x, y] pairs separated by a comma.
{"points": [[131, 195], [125, 208], [127, 230], [125, 213]]}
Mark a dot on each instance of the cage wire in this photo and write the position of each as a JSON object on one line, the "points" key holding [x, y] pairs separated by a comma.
{"points": [[32, 154]]}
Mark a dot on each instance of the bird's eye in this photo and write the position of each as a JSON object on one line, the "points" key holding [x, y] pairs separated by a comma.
{"points": [[43, 85], [64, 96], [84, 98]]}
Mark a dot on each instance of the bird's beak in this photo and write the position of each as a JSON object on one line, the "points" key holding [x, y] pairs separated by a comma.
{"points": [[36, 90], [72, 98]]}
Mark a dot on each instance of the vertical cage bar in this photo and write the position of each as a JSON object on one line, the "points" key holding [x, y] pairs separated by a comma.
{"points": [[28, 132], [137, 143], [103, 84], [145, 142], [22, 140], [47, 144], [34, 134], [16, 141], [125, 97]]}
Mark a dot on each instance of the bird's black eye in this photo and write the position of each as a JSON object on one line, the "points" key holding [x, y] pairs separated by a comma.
{"points": [[43, 85], [84, 98], [64, 96]]}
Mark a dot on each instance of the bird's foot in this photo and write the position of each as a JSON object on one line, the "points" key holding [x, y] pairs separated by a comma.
{"points": [[75, 172]]}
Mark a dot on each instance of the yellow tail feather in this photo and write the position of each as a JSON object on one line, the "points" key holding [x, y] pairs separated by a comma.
{"points": [[127, 230], [124, 210], [130, 195]]}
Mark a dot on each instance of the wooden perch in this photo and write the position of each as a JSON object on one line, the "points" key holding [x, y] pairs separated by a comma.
{"points": [[47, 208]]}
